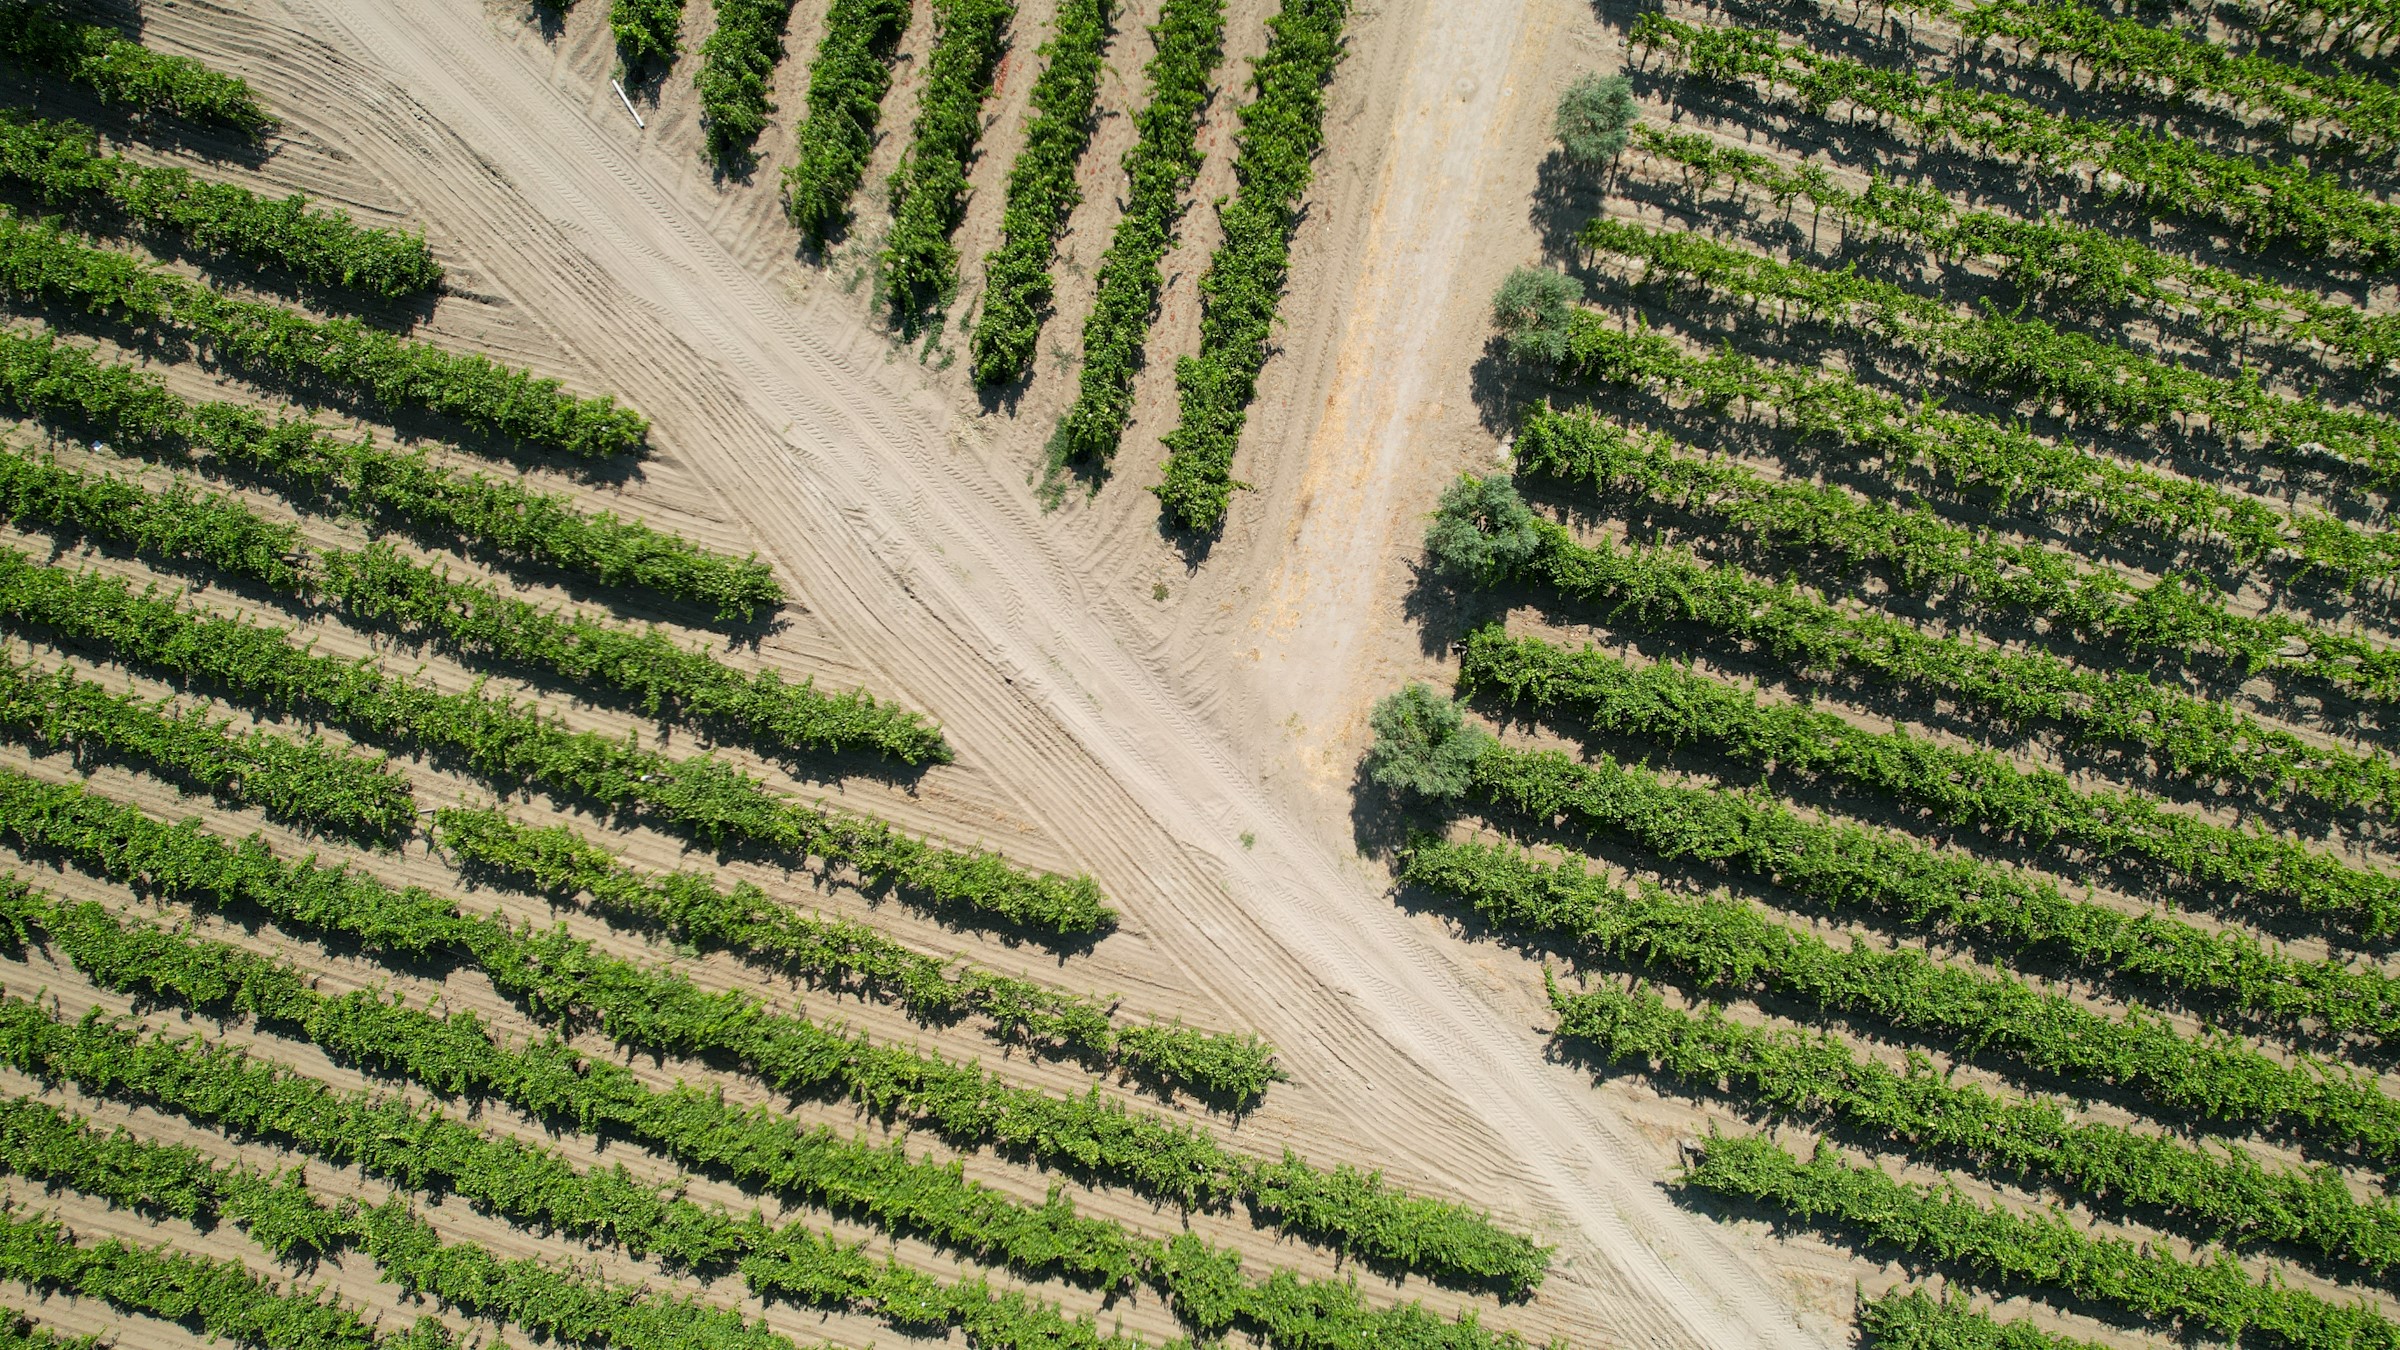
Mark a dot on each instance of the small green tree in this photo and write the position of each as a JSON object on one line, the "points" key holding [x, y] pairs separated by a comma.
{"points": [[1595, 117], [1423, 744], [1482, 530], [1535, 307]]}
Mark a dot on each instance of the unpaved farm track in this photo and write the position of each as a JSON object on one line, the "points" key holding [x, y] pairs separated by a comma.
{"points": [[950, 591]]}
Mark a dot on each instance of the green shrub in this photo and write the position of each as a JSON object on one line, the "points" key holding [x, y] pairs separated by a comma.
{"points": [[1535, 310], [1482, 530], [1423, 745], [1595, 116]]}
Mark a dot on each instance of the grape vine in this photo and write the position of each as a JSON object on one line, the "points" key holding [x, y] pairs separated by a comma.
{"points": [[1282, 131], [1041, 192]]}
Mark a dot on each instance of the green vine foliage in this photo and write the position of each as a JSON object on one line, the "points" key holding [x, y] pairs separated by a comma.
{"points": [[217, 1298], [272, 668], [737, 68], [1589, 691], [38, 261], [1188, 41], [304, 781], [417, 1147], [2204, 741], [1918, 1110], [2048, 259], [2354, 32], [1282, 131], [2266, 204], [919, 265], [2181, 618], [1902, 885], [2058, 371], [40, 34], [2126, 55], [1041, 192], [2004, 460], [1911, 1319], [835, 953], [211, 530], [134, 410], [377, 586], [646, 31], [60, 163], [2207, 1295], [1730, 948], [560, 979], [846, 84], [43, 1144]]}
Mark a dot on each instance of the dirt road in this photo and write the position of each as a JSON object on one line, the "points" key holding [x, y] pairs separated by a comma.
{"points": [[940, 574]]}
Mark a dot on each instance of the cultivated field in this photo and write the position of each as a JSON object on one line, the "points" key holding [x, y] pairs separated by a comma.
{"points": [[779, 674]]}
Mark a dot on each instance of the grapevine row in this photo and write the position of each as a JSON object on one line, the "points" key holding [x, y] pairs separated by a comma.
{"points": [[2027, 357], [219, 1299], [1905, 886], [1730, 947], [344, 792], [737, 67], [659, 1012], [687, 907], [2126, 54], [1911, 1319], [459, 1058], [929, 189], [2046, 256], [2178, 617], [217, 531], [846, 84], [40, 35], [1282, 131], [536, 1187], [1188, 39], [2356, 32], [2264, 203], [380, 586], [1670, 704], [59, 382], [39, 261], [43, 1144], [663, 678], [2032, 1140], [61, 164], [1979, 451], [1041, 192], [1485, 532], [54, 1148], [2213, 1295], [310, 782], [273, 668]]}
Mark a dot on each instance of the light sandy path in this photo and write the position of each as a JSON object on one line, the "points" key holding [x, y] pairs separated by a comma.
{"points": [[941, 576]]}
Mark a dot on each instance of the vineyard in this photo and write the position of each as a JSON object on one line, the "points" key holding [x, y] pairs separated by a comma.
{"points": [[462, 886], [903, 231], [1918, 676], [1229, 674]]}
